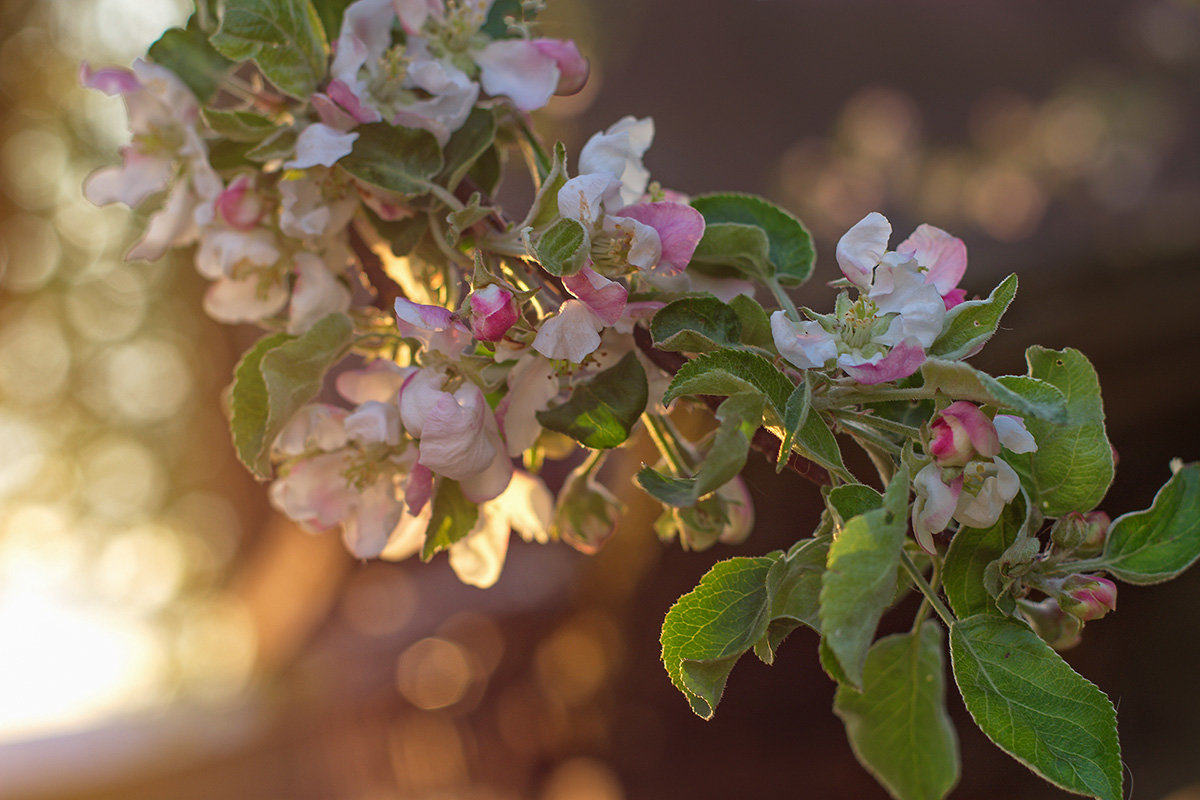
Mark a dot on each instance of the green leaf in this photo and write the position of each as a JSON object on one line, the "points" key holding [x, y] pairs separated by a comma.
{"points": [[1029, 398], [496, 25], [790, 247], [402, 235], [1030, 702], [1157, 544], [249, 402], [454, 516], [1073, 465], [756, 325], [401, 160], [711, 626], [697, 325], [860, 577], [669, 490], [240, 126], [794, 586], [280, 144], [466, 146], [897, 725], [971, 551], [564, 248], [603, 410], [969, 325], [851, 500], [284, 38], [187, 53], [292, 372], [331, 12], [742, 248], [795, 415], [727, 372]]}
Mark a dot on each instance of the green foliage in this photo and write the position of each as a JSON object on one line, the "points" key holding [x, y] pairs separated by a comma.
{"points": [[971, 551], [1030, 702], [603, 410], [710, 627], [284, 38], [278, 376], [454, 517], [851, 500], [564, 248], [756, 325], [331, 13], [726, 372], [1157, 544], [969, 325], [401, 160], [187, 53], [733, 220], [861, 577], [1029, 397], [467, 145], [739, 415], [544, 209], [280, 144], [806, 432], [1073, 465], [739, 604], [897, 725], [240, 126], [696, 325]]}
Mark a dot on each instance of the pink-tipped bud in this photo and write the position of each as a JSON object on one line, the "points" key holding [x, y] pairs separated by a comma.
{"points": [[1087, 597], [573, 68], [240, 206], [493, 312], [1084, 534], [960, 433]]}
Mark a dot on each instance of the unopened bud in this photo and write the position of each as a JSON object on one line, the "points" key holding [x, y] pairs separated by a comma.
{"points": [[1096, 533], [1082, 534], [493, 312], [586, 515], [1087, 597], [960, 433], [1057, 628]]}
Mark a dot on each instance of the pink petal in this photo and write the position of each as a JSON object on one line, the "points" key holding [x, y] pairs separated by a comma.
{"points": [[903, 360], [239, 205], [606, 298], [934, 505], [680, 228], [493, 312], [491, 481], [954, 297], [435, 327], [452, 443], [978, 427], [419, 488], [862, 247], [572, 66], [111, 80], [943, 255]]}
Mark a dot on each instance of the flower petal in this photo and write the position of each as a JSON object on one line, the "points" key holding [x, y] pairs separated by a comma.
{"points": [[321, 145], [1013, 434], [679, 227], [618, 152], [606, 298], [520, 70], [901, 361], [942, 255], [862, 247], [804, 344], [573, 333]]}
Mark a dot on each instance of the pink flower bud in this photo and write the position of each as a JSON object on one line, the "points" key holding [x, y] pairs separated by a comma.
{"points": [[1096, 532], [493, 312], [240, 206], [1087, 597], [573, 68], [959, 433], [1084, 534]]}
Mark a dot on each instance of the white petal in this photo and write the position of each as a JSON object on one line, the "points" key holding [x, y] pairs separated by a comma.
{"points": [[571, 334], [321, 145], [1013, 434], [378, 511], [518, 69], [532, 384], [374, 422], [316, 294], [618, 152], [246, 300], [862, 247], [805, 344], [478, 558]]}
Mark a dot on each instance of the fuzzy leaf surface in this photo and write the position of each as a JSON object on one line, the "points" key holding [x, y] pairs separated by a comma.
{"points": [[1158, 543], [284, 38]]}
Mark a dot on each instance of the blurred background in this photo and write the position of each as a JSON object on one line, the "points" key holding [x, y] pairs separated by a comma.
{"points": [[163, 634]]}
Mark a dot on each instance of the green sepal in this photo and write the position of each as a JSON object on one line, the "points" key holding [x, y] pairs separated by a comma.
{"points": [[790, 253], [1158, 543], [1032, 705], [969, 325], [898, 725], [285, 39], [602, 410], [563, 249], [544, 209]]}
